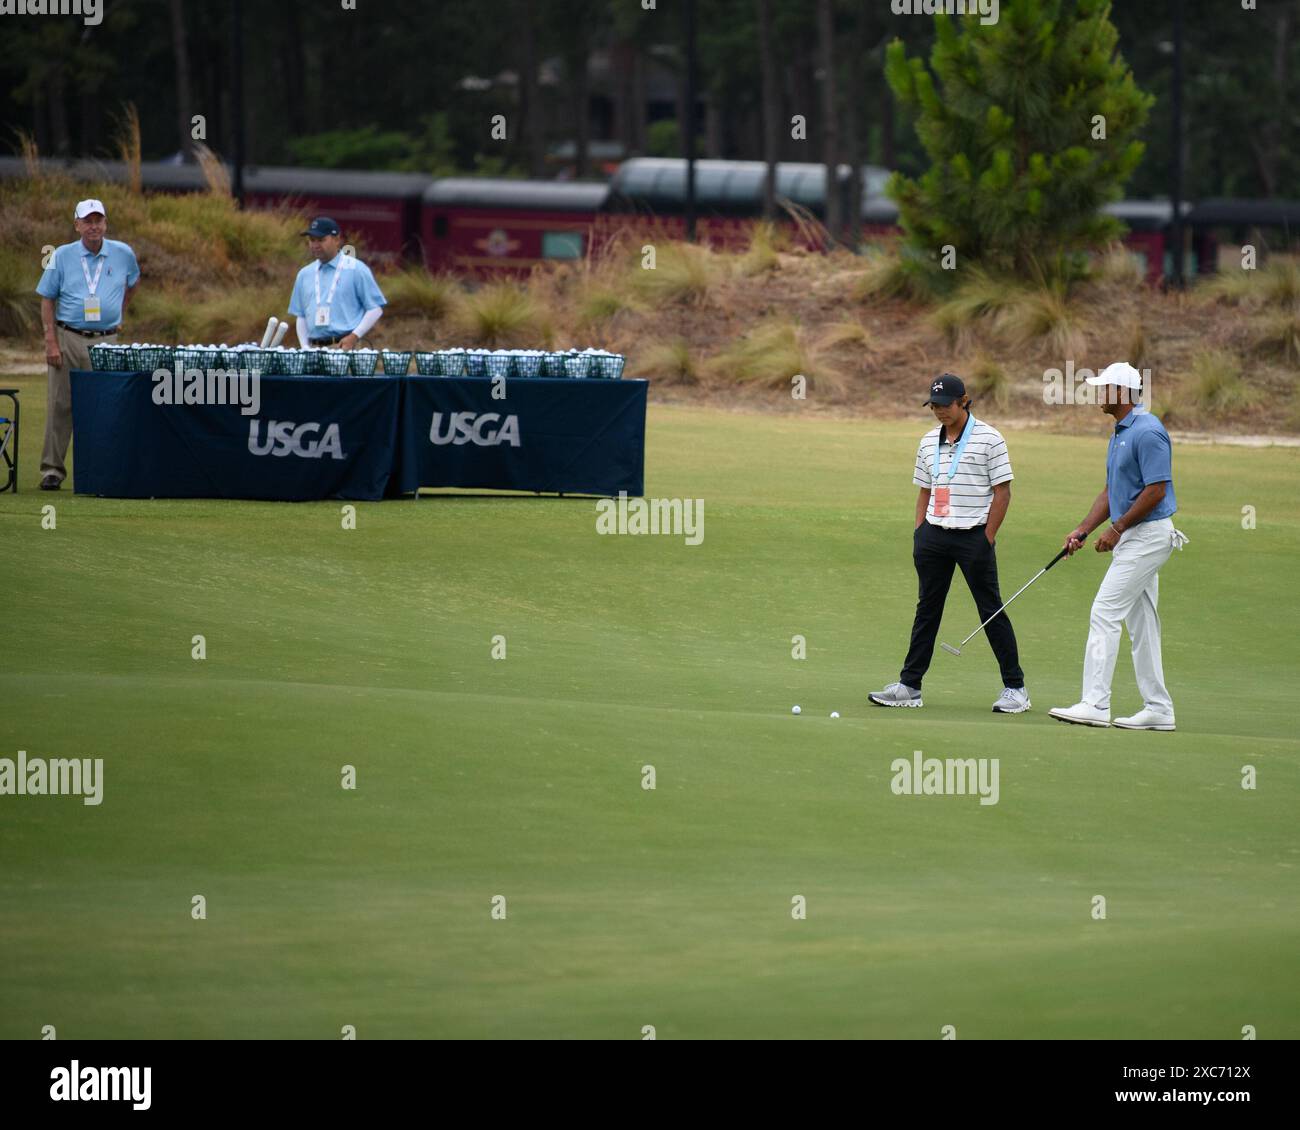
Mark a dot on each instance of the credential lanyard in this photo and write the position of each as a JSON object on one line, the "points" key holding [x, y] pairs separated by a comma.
{"points": [[92, 284], [329, 297], [957, 451]]}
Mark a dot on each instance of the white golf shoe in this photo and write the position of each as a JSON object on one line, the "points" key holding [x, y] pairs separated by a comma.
{"points": [[896, 695], [1081, 714], [1012, 700], [1146, 720]]}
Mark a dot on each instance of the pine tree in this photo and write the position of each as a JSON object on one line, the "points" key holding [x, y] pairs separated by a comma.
{"points": [[1030, 125]]}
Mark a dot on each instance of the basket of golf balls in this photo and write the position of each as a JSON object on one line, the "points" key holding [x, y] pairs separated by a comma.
{"points": [[396, 362], [363, 362], [150, 357]]}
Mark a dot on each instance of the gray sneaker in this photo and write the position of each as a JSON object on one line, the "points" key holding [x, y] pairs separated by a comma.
{"points": [[896, 695], [1012, 700]]}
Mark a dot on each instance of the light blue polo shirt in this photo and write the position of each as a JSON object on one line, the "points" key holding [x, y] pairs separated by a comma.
{"points": [[355, 293], [1139, 454], [65, 283]]}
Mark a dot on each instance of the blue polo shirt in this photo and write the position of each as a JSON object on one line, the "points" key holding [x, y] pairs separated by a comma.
{"points": [[1139, 454], [355, 293], [65, 282]]}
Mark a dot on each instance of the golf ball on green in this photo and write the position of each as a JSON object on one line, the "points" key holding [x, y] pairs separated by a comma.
{"points": [[794, 710]]}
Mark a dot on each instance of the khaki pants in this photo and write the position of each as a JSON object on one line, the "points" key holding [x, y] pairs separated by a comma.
{"points": [[58, 409]]}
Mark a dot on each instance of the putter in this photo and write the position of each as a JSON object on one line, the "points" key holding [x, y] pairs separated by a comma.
{"points": [[957, 650]]}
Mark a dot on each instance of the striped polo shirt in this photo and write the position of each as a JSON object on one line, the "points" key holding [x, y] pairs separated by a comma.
{"points": [[984, 464]]}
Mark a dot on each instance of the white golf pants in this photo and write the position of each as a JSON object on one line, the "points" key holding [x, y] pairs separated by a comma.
{"points": [[1128, 596]]}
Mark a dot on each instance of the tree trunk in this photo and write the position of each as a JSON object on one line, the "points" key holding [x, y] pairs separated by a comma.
{"points": [[530, 93], [581, 111], [181, 66], [771, 106], [713, 119], [830, 110], [59, 110], [639, 100], [294, 70]]}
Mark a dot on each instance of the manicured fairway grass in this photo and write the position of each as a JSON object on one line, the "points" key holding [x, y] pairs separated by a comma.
{"points": [[522, 777]]}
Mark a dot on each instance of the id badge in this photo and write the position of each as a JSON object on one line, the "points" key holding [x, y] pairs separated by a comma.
{"points": [[940, 498], [322, 315], [92, 309]]}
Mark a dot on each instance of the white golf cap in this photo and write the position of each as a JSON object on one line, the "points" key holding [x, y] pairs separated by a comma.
{"points": [[1120, 373], [85, 208]]}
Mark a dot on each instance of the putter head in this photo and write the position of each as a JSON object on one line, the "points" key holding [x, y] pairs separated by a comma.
{"points": [[950, 649]]}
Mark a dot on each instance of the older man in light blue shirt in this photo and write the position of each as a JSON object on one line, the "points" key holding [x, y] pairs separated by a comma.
{"points": [[84, 294], [336, 300]]}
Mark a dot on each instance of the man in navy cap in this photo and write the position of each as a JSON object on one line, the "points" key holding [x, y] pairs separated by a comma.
{"points": [[336, 300], [964, 474]]}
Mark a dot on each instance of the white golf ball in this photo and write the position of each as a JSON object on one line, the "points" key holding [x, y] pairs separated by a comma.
{"points": [[794, 710], [835, 713]]}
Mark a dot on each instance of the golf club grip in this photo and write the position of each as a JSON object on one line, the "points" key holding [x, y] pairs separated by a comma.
{"points": [[1054, 560]]}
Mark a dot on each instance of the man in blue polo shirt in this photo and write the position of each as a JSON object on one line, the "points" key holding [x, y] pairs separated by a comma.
{"points": [[84, 293], [335, 300], [1139, 500]]}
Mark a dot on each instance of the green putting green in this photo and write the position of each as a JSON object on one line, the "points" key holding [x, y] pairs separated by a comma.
{"points": [[522, 777]]}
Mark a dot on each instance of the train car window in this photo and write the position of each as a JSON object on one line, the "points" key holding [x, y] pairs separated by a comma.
{"points": [[562, 245], [439, 227]]}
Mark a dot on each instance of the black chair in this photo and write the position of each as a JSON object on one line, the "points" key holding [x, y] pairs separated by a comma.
{"points": [[9, 443]]}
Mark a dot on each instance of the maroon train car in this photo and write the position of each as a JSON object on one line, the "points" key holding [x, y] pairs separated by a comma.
{"points": [[380, 211], [487, 225]]}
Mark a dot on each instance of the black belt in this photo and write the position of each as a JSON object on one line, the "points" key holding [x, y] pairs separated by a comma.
{"points": [[327, 340], [87, 333]]}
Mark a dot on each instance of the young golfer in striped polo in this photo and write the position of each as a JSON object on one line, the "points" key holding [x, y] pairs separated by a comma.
{"points": [[964, 473]]}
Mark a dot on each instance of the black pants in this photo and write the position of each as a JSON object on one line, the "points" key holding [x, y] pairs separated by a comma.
{"points": [[935, 551]]}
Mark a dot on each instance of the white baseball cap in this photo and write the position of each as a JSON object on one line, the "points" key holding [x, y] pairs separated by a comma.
{"points": [[85, 208], [1120, 373]]}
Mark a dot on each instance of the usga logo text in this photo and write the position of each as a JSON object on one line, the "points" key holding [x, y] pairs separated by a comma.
{"points": [[470, 427], [284, 437], [679, 517]]}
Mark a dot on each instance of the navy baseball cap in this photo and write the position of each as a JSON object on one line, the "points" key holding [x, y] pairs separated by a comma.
{"points": [[322, 225], [945, 389]]}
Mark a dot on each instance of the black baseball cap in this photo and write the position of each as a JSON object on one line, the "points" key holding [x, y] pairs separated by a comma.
{"points": [[321, 226], [944, 389]]}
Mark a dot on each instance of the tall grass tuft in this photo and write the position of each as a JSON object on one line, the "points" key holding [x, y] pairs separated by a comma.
{"points": [[1217, 386], [1043, 316], [215, 173], [989, 381], [499, 313], [18, 301], [1277, 333], [128, 145], [414, 290], [775, 351], [760, 257], [1276, 283], [683, 272], [673, 362]]}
